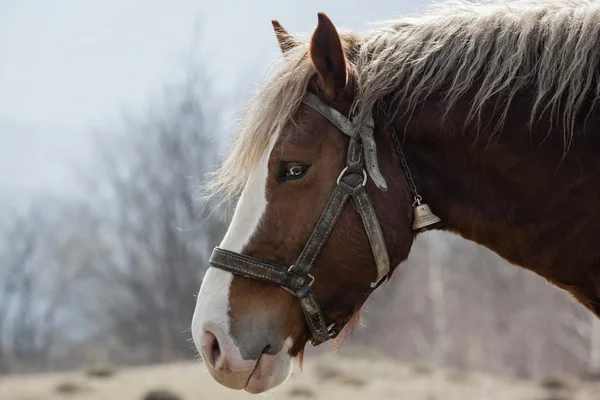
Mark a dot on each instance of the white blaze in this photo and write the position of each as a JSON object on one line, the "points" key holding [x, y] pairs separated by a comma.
{"points": [[212, 304]]}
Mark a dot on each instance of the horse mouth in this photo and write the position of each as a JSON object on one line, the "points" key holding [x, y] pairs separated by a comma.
{"points": [[258, 381], [249, 387], [269, 371]]}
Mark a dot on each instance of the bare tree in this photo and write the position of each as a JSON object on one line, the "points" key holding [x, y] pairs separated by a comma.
{"points": [[113, 276], [160, 234], [32, 288], [15, 254]]}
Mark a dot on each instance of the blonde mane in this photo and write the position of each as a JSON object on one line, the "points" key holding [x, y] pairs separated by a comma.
{"points": [[497, 48]]}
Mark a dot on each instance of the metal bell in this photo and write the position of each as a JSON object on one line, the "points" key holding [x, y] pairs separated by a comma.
{"points": [[423, 216]]}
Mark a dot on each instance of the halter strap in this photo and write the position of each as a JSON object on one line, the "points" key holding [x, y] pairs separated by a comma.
{"points": [[350, 184], [297, 278], [263, 271], [331, 114]]}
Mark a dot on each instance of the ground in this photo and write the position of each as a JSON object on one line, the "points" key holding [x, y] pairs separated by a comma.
{"points": [[325, 377]]}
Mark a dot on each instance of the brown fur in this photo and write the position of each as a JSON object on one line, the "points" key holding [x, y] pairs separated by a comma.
{"points": [[517, 194]]}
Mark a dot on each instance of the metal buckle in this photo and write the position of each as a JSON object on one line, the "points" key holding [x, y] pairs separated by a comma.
{"points": [[333, 331], [309, 276], [311, 280], [364, 182]]}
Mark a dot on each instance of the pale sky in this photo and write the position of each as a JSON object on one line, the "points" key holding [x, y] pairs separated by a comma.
{"points": [[69, 66]]}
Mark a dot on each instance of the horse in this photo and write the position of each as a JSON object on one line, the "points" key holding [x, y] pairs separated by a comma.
{"points": [[480, 120]]}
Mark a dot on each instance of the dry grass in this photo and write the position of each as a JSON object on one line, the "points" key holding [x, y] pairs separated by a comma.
{"points": [[161, 394], [352, 380], [363, 354], [302, 391], [324, 378], [101, 371], [326, 371], [554, 383], [422, 369], [70, 388], [555, 397], [457, 376]]}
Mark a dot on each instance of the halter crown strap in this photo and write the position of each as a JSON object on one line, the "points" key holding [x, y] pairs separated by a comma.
{"points": [[331, 114], [364, 130]]}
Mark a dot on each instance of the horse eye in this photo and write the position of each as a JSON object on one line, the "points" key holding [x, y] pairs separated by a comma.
{"points": [[291, 172]]}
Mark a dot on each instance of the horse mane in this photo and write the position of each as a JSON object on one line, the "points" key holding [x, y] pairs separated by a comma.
{"points": [[497, 48]]}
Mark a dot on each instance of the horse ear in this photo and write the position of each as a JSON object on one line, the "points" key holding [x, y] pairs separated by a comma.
{"points": [[328, 58], [286, 41]]}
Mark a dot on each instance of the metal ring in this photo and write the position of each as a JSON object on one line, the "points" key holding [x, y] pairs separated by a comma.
{"points": [[417, 200], [365, 176], [341, 174]]}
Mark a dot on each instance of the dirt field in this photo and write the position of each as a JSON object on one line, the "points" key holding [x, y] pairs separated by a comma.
{"points": [[328, 377]]}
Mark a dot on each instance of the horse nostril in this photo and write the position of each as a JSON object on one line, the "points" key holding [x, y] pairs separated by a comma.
{"points": [[215, 350], [211, 351]]}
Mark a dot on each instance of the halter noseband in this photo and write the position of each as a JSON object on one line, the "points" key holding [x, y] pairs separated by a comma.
{"points": [[297, 279]]}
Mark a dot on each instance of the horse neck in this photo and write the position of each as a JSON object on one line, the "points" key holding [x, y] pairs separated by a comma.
{"points": [[516, 192]]}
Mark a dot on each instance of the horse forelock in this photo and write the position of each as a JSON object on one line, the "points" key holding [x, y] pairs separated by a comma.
{"points": [[272, 107]]}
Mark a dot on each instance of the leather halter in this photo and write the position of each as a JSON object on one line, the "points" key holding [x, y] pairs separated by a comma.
{"points": [[297, 279]]}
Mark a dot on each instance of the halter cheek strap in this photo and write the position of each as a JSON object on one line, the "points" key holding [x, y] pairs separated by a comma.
{"points": [[297, 279]]}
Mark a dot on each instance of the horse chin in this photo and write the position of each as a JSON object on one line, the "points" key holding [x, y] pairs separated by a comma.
{"points": [[270, 371]]}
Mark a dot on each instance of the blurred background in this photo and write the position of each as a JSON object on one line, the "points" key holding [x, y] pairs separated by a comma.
{"points": [[111, 114]]}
